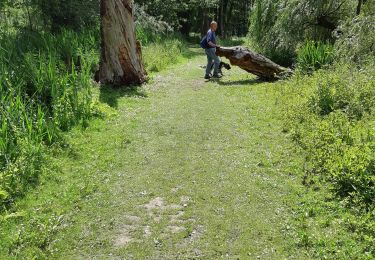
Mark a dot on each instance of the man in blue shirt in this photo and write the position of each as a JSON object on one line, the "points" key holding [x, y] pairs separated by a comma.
{"points": [[209, 44]]}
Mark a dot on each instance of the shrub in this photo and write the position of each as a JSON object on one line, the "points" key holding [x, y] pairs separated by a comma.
{"points": [[330, 115], [149, 29]]}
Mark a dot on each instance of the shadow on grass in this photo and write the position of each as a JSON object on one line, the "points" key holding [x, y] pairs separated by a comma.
{"points": [[110, 95], [245, 82]]}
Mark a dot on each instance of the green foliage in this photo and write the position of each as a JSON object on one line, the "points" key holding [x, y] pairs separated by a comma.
{"points": [[331, 116], [314, 55], [337, 93], [158, 55], [357, 39], [277, 28], [45, 89], [193, 16], [266, 36], [69, 13]]}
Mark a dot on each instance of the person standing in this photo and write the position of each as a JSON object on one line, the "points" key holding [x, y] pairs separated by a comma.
{"points": [[209, 44]]}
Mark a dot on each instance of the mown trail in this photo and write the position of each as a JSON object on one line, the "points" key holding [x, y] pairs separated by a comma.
{"points": [[191, 169]]}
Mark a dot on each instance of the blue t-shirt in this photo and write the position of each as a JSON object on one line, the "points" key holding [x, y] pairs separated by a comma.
{"points": [[210, 37]]}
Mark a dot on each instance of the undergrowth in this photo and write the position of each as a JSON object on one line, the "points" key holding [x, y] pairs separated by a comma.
{"points": [[46, 88], [158, 55], [314, 55], [331, 115]]}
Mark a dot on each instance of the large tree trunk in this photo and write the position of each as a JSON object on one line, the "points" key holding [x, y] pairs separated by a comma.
{"points": [[252, 62], [121, 62]]}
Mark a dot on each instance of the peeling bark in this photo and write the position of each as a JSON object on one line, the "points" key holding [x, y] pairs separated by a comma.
{"points": [[252, 62], [121, 58]]}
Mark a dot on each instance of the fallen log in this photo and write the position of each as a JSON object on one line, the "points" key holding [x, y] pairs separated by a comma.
{"points": [[253, 62]]}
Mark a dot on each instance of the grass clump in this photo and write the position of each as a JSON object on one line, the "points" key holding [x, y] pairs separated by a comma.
{"points": [[160, 54], [314, 55]]}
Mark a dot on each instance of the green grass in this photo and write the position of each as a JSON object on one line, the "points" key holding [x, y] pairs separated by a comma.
{"points": [[187, 168], [157, 56], [46, 89], [330, 115], [183, 168]]}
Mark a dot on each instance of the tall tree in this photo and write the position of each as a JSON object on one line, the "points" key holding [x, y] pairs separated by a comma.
{"points": [[121, 62]]}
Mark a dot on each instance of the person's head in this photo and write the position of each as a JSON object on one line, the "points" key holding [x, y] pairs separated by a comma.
{"points": [[213, 26]]}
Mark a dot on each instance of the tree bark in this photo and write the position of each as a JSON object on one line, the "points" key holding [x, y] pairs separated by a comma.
{"points": [[359, 7], [121, 62], [252, 62]]}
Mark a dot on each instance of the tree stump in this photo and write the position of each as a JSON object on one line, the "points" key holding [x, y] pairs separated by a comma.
{"points": [[121, 58], [252, 62]]}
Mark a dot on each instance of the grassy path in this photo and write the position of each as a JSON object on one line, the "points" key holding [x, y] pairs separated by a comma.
{"points": [[189, 169]]}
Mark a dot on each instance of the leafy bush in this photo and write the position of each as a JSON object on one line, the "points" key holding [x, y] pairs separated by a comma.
{"points": [[266, 36], [149, 29], [62, 14], [314, 55], [160, 46], [278, 27]]}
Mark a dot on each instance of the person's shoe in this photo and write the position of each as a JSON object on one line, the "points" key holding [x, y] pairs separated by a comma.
{"points": [[207, 77], [217, 76]]}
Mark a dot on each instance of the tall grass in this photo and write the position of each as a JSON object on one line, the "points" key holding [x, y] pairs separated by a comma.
{"points": [[314, 55], [160, 54], [160, 47], [45, 88]]}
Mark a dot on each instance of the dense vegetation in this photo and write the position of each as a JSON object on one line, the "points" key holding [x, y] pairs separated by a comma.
{"points": [[47, 85], [46, 88], [329, 105], [330, 115], [49, 52]]}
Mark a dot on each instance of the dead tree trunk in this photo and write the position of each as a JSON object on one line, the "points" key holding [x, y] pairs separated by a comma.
{"points": [[252, 62], [121, 62]]}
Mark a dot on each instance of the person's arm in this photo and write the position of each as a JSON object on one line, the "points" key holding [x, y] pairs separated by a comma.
{"points": [[213, 45]]}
